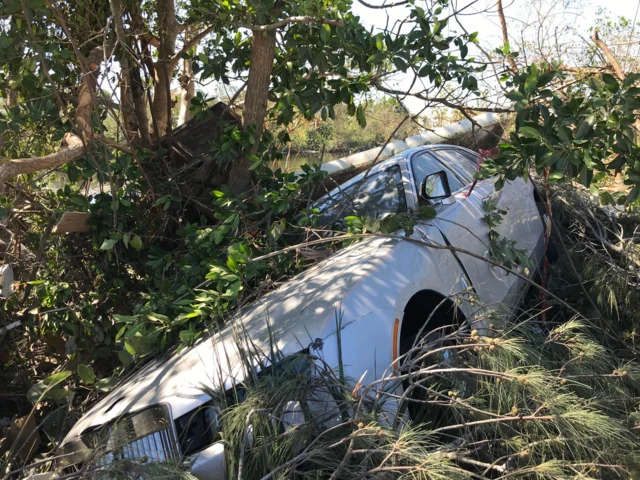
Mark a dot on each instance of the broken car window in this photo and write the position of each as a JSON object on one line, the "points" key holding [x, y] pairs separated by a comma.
{"points": [[376, 196]]}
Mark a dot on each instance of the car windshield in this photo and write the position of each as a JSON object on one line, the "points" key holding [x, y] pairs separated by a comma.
{"points": [[376, 196]]}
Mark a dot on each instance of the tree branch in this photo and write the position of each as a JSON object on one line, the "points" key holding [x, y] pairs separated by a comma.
{"points": [[287, 21], [72, 148], [505, 36], [391, 5], [442, 101], [192, 42], [608, 54]]}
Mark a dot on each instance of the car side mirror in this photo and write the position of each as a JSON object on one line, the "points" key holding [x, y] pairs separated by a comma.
{"points": [[435, 186]]}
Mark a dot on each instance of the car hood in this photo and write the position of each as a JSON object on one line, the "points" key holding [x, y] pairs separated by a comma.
{"points": [[288, 320]]}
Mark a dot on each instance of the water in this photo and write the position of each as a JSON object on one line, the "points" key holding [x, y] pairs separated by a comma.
{"points": [[296, 160]]}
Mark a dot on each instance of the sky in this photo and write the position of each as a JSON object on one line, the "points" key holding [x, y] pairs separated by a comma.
{"points": [[572, 19]]}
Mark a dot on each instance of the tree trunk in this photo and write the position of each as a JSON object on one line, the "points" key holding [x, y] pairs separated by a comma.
{"points": [[263, 50], [129, 120], [187, 86], [140, 107], [168, 32], [87, 94]]}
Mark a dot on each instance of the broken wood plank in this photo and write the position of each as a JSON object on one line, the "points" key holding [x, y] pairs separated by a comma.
{"points": [[73, 222]]}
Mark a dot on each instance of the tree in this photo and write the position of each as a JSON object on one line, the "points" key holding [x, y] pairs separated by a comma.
{"points": [[300, 58]]}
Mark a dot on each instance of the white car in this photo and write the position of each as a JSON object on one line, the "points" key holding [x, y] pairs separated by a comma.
{"points": [[382, 290]]}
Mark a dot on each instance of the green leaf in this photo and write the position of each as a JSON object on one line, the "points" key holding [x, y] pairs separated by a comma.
{"points": [[325, 32], [633, 195], [136, 242], [86, 374], [275, 231], [44, 388], [606, 198], [463, 50], [124, 318], [529, 132], [57, 378], [610, 80], [377, 57], [545, 78], [59, 394], [37, 392], [106, 384], [584, 126], [108, 244], [379, 44], [515, 95], [187, 336], [129, 348], [551, 158], [360, 116], [530, 84], [426, 212], [124, 357], [121, 332]]}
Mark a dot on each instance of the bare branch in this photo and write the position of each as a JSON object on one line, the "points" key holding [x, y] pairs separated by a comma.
{"points": [[302, 19], [72, 148], [505, 35], [443, 101], [390, 5], [608, 54], [192, 42]]}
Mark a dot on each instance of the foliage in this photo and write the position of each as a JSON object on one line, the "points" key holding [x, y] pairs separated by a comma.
{"points": [[585, 136], [345, 135], [502, 250], [513, 400]]}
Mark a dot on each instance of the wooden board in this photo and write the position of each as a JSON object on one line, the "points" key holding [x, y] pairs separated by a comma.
{"points": [[73, 222]]}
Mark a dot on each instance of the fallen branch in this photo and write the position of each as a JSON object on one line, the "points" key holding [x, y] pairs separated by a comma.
{"points": [[72, 148], [613, 62]]}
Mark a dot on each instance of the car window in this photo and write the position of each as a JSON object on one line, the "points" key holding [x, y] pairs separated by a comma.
{"points": [[460, 164], [376, 196], [424, 164]]}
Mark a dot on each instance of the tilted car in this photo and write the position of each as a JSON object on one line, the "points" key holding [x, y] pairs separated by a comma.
{"points": [[383, 290]]}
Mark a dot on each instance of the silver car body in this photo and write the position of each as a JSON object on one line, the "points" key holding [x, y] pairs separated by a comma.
{"points": [[362, 289]]}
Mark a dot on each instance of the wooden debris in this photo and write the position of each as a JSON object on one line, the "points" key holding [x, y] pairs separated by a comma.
{"points": [[73, 222]]}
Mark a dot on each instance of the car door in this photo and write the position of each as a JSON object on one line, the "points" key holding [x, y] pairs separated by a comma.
{"points": [[522, 221], [462, 225]]}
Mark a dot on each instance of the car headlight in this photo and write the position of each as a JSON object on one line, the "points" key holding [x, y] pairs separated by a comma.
{"points": [[143, 436]]}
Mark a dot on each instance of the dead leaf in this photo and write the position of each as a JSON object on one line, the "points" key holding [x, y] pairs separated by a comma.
{"points": [[22, 432]]}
